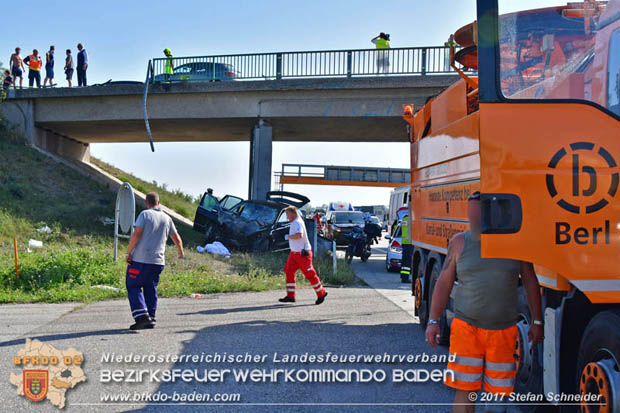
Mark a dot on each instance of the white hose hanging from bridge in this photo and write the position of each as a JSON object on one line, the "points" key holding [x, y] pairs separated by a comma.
{"points": [[146, 116]]}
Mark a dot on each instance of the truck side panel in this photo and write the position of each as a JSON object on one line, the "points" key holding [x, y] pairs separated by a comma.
{"points": [[566, 176]]}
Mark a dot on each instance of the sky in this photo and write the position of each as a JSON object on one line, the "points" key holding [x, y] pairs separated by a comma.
{"points": [[121, 36]]}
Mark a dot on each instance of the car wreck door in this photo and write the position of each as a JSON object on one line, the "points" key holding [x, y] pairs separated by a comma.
{"points": [[207, 211], [281, 229]]}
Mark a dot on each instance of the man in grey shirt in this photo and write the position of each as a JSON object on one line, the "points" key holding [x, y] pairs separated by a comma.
{"points": [[146, 260]]}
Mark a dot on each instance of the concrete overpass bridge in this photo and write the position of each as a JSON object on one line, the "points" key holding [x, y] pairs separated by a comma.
{"points": [[306, 174], [325, 106]]}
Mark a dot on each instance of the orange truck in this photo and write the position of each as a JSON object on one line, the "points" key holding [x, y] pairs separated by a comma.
{"points": [[537, 131]]}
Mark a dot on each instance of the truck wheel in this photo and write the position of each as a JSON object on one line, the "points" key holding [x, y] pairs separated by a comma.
{"points": [[598, 362], [444, 329], [529, 370], [420, 304]]}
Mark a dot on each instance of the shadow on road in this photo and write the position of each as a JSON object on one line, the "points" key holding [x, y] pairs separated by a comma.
{"points": [[52, 337], [217, 311], [276, 339]]}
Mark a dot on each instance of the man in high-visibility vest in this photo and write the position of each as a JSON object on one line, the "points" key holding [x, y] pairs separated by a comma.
{"points": [[382, 43], [169, 65], [446, 58], [34, 68], [407, 256]]}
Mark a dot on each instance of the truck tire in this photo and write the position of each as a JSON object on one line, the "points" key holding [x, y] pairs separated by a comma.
{"points": [[420, 304], [444, 329], [529, 370], [598, 369]]}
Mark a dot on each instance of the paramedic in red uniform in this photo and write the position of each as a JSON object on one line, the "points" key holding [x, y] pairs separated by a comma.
{"points": [[300, 258]]}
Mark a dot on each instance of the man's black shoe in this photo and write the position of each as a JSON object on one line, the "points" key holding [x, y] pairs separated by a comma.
{"points": [[151, 324], [286, 299], [320, 299], [141, 323]]}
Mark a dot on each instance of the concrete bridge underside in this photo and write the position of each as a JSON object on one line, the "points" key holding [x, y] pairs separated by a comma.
{"points": [[66, 120]]}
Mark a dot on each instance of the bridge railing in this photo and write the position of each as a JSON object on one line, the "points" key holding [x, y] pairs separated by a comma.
{"points": [[345, 173], [308, 64]]}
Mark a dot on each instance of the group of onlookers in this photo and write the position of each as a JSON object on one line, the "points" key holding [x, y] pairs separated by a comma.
{"points": [[35, 63]]}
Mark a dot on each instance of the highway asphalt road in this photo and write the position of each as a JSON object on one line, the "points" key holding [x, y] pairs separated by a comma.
{"points": [[371, 318]]}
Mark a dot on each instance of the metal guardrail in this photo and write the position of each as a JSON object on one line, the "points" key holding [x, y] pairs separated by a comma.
{"points": [[326, 63], [346, 173]]}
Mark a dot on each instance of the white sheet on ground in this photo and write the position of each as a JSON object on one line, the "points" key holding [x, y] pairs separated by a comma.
{"points": [[216, 248]]}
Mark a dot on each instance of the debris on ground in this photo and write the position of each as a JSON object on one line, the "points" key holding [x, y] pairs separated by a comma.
{"points": [[33, 244], [216, 248], [196, 295], [106, 287], [106, 220], [45, 229]]}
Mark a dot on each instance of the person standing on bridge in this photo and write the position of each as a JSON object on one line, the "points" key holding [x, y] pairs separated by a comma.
{"points": [[6, 84], [169, 65], [146, 260], [82, 65], [34, 68], [382, 43], [300, 258], [484, 333], [447, 64], [69, 67], [16, 65], [49, 67]]}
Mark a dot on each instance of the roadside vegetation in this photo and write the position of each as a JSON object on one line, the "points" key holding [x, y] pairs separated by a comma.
{"points": [[75, 262], [175, 199]]}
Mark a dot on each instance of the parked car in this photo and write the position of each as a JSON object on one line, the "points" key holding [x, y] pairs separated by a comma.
{"points": [[249, 225], [339, 225], [394, 255], [201, 72]]}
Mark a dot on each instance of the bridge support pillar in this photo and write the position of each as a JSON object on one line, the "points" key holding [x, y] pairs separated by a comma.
{"points": [[260, 160]]}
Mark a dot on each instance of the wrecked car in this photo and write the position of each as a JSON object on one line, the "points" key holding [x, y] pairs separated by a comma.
{"points": [[248, 225]]}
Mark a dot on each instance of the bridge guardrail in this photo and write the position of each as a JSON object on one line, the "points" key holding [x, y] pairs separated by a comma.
{"points": [[345, 173], [306, 64]]}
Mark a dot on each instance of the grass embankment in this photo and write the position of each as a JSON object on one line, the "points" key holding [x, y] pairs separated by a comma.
{"points": [[175, 199], [77, 255]]}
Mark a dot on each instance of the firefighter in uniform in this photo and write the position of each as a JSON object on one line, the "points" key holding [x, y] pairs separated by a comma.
{"points": [[169, 66], [405, 267]]}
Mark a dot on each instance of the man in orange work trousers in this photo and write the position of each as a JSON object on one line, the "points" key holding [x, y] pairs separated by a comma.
{"points": [[483, 334], [300, 258]]}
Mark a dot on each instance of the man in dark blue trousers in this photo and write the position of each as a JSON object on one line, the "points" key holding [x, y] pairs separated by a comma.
{"points": [[146, 260]]}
